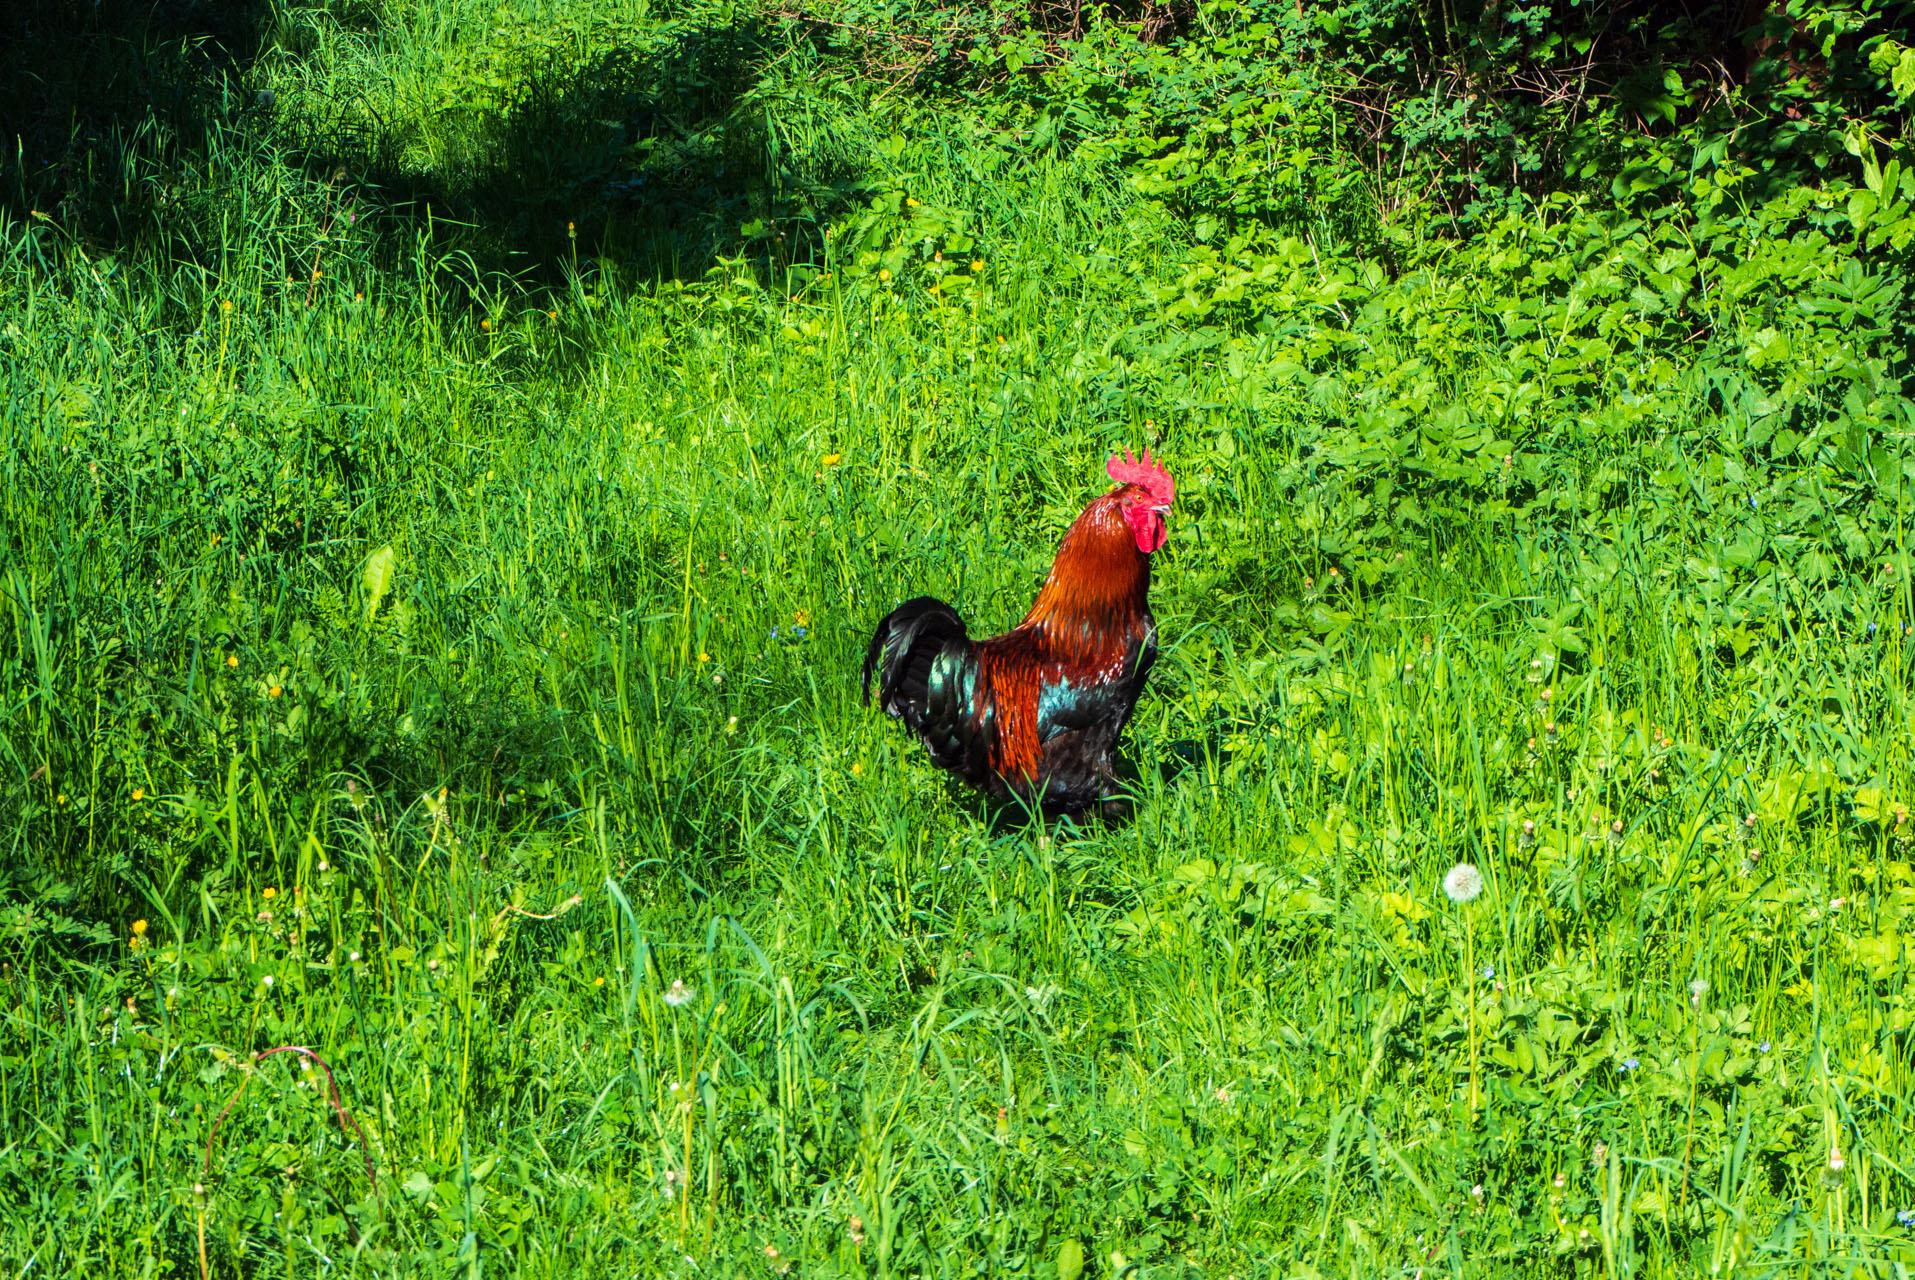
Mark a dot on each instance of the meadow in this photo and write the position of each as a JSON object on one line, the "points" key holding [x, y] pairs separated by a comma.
{"points": [[440, 525]]}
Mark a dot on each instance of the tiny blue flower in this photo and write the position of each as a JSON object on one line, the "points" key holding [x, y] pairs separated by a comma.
{"points": [[1752, 502], [798, 633], [1906, 1217], [1764, 1046], [774, 633], [1871, 628], [1489, 971], [1630, 1064]]}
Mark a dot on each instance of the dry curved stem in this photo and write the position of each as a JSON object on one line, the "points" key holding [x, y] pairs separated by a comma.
{"points": [[513, 909], [346, 1124]]}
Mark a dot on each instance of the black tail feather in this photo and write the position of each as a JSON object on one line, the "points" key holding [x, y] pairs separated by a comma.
{"points": [[902, 652]]}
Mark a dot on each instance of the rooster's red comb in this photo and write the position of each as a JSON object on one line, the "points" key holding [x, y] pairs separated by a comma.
{"points": [[1142, 471]]}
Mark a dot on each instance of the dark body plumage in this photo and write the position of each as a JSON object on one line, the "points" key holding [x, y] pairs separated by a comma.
{"points": [[1034, 714]]}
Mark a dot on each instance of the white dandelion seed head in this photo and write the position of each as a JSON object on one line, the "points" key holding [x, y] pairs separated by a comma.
{"points": [[678, 994], [1463, 883]]}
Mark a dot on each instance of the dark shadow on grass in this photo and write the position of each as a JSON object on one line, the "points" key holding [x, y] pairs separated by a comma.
{"points": [[97, 96], [127, 121], [654, 161]]}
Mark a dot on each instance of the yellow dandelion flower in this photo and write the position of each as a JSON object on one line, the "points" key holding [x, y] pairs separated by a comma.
{"points": [[60, 799], [598, 982], [553, 314], [139, 793], [977, 264], [226, 306], [857, 769], [802, 617], [274, 692], [832, 459], [703, 656], [912, 201], [269, 893], [358, 297], [139, 928], [485, 325], [885, 274], [232, 659]]}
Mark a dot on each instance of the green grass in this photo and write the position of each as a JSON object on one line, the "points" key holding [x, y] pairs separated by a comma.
{"points": [[414, 680]]}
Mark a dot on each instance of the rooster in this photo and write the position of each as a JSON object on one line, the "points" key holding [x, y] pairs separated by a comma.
{"points": [[1034, 715]]}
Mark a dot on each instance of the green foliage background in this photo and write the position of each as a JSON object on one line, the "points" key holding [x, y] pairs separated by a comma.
{"points": [[454, 455]]}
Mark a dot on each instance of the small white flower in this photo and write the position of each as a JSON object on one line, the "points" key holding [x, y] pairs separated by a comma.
{"points": [[678, 994], [1463, 883], [324, 866], [266, 981], [353, 956]]}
